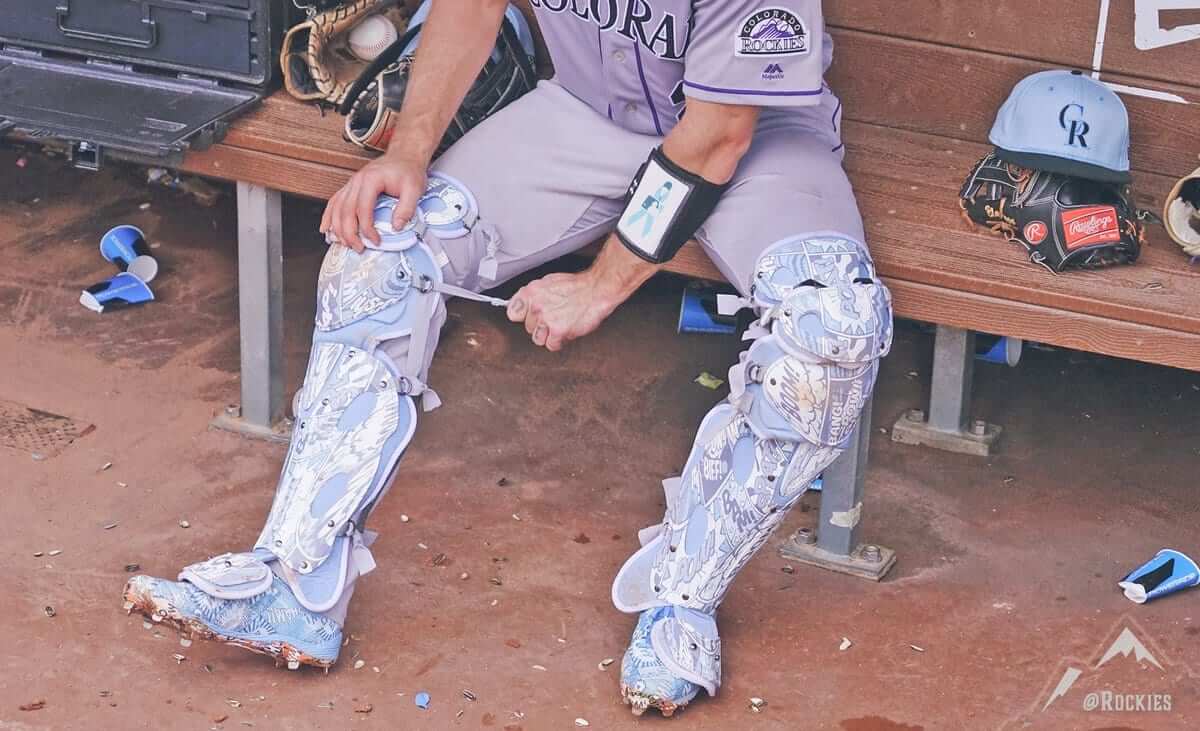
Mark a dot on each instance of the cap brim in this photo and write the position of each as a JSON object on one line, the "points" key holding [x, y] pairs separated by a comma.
{"points": [[1053, 164]]}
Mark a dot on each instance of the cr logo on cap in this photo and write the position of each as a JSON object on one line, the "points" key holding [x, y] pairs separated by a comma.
{"points": [[1075, 126]]}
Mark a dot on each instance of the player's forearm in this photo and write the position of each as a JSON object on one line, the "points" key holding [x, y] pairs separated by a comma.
{"points": [[711, 139], [616, 273], [456, 40]]}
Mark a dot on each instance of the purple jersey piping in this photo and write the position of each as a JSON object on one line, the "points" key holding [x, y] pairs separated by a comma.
{"points": [[646, 88], [751, 92]]}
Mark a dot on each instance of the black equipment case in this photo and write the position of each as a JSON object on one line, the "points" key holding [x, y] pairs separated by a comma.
{"points": [[135, 79]]}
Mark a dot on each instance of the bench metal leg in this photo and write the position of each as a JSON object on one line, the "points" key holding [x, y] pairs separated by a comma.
{"points": [[260, 308], [949, 401], [835, 544]]}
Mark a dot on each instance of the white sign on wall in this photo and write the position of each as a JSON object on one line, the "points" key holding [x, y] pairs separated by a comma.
{"points": [[1148, 32], [1148, 35]]}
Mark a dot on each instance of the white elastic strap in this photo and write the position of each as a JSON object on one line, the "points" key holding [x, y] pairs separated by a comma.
{"points": [[671, 488], [731, 304], [755, 331], [451, 291], [738, 379], [414, 367], [364, 562], [649, 533]]}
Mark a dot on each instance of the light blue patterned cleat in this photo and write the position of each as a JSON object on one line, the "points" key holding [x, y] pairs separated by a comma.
{"points": [[645, 681], [271, 622]]}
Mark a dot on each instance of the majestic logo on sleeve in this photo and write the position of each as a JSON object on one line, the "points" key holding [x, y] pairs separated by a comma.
{"points": [[772, 32]]}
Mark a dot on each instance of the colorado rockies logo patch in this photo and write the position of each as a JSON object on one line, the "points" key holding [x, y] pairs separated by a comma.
{"points": [[772, 32]]}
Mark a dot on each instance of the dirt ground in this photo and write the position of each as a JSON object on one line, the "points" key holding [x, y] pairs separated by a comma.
{"points": [[1007, 569]]}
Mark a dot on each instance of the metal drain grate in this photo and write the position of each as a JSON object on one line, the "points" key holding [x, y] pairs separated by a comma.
{"points": [[35, 432]]}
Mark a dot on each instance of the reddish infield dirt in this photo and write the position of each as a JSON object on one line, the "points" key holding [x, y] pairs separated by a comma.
{"points": [[1007, 569]]}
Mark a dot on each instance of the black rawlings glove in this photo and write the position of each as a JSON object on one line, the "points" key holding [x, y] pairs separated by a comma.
{"points": [[1063, 221]]}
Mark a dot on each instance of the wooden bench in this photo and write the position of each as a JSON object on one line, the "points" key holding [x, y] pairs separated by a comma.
{"points": [[920, 88]]}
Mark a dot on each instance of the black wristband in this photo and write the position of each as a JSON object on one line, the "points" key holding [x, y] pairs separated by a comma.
{"points": [[664, 207]]}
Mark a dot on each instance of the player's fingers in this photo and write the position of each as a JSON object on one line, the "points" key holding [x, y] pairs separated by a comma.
{"points": [[533, 319], [328, 213], [517, 308], [347, 224], [406, 205], [368, 195], [540, 334], [555, 342]]}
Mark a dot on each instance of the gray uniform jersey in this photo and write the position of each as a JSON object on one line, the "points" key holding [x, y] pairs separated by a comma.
{"points": [[637, 61]]}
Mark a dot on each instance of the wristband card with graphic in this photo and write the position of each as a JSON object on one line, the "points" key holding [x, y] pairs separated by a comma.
{"points": [[655, 204]]}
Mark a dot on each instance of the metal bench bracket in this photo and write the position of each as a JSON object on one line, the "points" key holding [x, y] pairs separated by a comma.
{"points": [[949, 426], [260, 307], [835, 545]]}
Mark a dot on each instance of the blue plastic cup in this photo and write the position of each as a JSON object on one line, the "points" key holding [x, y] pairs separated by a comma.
{"points": [[123, 290], [1004, 351], [1168, 572], [126, 247]]}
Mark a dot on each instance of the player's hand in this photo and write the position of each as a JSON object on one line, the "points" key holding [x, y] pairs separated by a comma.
{"points": [[561, 307], [350, 213]]}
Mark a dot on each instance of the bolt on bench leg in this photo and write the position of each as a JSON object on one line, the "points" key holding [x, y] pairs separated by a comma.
{"points": [[835, 545], [949, 401], [260, 306]]}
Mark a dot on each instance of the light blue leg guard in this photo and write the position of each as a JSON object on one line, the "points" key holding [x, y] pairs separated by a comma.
{"points": [[377, 323], [824, 322]]}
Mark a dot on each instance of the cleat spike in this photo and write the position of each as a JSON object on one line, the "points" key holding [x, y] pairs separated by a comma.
{"points": [[146, 624], [637, 710], [127, 606], [667, 712], [156, 617], [293, 664], [185, 642]]}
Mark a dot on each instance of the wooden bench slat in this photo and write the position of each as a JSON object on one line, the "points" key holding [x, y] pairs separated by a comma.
{"points": [[1061, 33], [916, 300], [1046, 325], [285, 126], [941, 162], [954, 92], [907, 233], [983, 313], [1149, 293], [286, 174]]}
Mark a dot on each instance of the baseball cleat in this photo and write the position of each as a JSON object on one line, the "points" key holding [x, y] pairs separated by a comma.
{"points": [[645, 681], [272, 623]]}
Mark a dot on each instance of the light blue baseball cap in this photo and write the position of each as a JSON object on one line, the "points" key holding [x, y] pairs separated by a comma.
{"points": [[1064, 122]]}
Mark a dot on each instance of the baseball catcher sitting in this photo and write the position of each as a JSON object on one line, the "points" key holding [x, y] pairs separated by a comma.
{"points": [[752, 172]]}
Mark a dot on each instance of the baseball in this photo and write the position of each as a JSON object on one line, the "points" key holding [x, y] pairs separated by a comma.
{"points": [[370, 37]]}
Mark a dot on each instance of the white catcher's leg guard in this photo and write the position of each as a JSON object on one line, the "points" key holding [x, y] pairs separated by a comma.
{"points": [[824, 322], [377, 323]]}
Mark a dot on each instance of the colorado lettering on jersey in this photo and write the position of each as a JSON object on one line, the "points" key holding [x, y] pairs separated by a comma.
{"points": [[661, 32]]}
